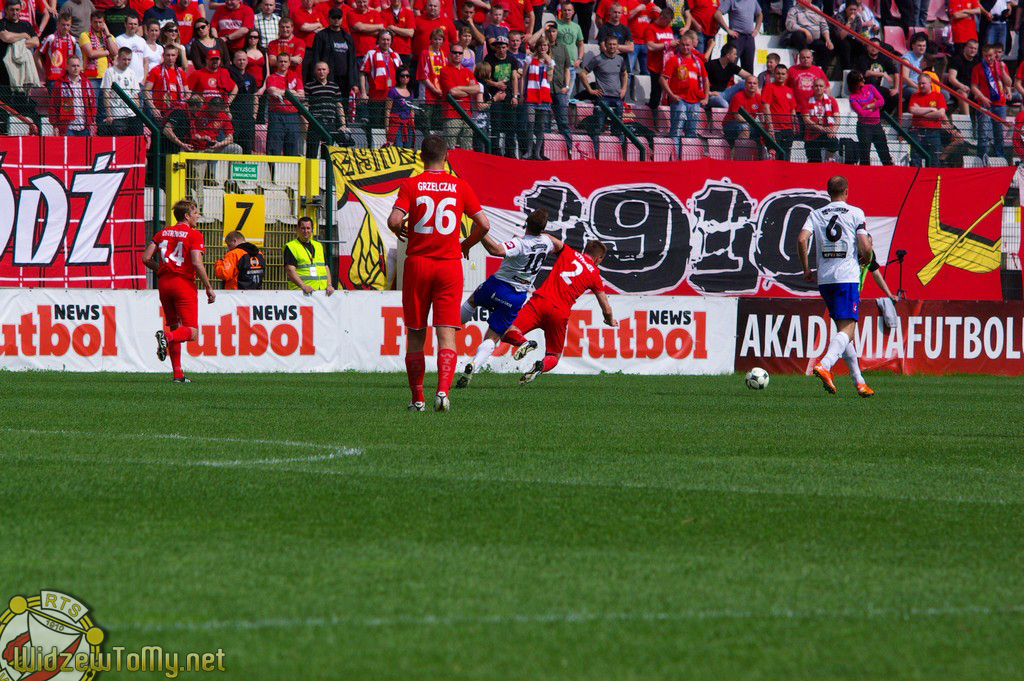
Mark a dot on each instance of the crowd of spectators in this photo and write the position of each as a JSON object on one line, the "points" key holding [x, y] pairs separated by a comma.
{"points": [[215, 74]]}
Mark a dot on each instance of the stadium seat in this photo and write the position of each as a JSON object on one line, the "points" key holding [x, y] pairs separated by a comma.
{"points": [[691, 149], [211, 203], [582, 147], [713, 122], [582, 110], [554, 147], [260, 141], [609, 148], [718, 149], [894, 10], [664, 149], [662, 120], [745, 150], [895, 37], [640, 89], [997, 162], [642, 115]]}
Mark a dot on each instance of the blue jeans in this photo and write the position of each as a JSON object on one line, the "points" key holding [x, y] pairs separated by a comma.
{"points": [[283, 134], [615, 104], [922, 13], [931, 140], [722, 101], [685, 115], [639, 59], [986, 127], [560, 106], [995, 33]]}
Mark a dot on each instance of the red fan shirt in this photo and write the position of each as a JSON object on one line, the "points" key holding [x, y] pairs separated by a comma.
{"points": [[186, 19], [963, 29], [455, 76], [686, 77], [404, 19], [56, 52], [211, 84], [822, 112], [658, 34], [430, 67], [753, 106], [294, 46], [801, 82], [311, 16], [168, 89], [228, 21], [979, 80], [780, 104], [364, 42], [289, 81], [572, 275], [176, 245], [703, 12], [424, 27], [435, 202], [931, 99]]}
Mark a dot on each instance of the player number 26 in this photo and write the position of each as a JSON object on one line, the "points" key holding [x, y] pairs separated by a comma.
{"points": [[440, 217]]}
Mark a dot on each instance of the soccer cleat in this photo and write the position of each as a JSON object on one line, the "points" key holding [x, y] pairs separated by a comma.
{"points": [[466, 377], [161, 345], [441, 403], [826, 378], [416, 406], [181, 380], [864, 391], [523, 349], [532, 374]]}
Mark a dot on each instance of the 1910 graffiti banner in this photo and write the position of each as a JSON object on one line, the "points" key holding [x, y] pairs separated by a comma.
{"points": [[702, 227]]}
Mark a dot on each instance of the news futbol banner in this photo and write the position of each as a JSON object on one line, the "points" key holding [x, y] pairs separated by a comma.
{"points": [[699, 227], [71, 212], [932, 337]]}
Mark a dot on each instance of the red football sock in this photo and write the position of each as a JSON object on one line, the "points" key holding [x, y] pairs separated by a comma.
{"points": [[446, 360], [514, 337], [549, 362], [415, 366], [174, 351], [182, 334]]}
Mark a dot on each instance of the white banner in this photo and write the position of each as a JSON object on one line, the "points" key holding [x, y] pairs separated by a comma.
{"points": [[105, 330]]}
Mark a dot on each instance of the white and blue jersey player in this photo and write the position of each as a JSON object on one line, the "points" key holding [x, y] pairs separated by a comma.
{"points": [[841, 243], [505, 291]]}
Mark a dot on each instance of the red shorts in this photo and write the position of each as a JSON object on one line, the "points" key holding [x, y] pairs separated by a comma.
{"points": [[180, 300], [429, 283], [538, 313]]}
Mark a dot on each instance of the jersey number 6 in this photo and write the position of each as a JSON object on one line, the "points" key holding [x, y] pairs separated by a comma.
{"points": [[441, 218]]}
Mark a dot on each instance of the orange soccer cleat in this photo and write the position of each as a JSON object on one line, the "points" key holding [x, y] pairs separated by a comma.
{"points": [[864, 391], [826, 378]]}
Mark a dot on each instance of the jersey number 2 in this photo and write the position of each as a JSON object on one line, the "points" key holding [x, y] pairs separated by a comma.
{"points": [[567, 276], [176, 256], [445, 218]]}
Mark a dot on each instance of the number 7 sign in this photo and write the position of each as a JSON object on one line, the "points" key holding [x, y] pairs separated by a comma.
{"points": [[245, 213]]}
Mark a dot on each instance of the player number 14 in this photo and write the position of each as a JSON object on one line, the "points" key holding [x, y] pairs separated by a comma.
{"points": [[176, 256], [445, 221]]}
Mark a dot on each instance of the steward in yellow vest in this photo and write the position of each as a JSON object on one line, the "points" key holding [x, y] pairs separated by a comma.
{"points": [[304, 263]]}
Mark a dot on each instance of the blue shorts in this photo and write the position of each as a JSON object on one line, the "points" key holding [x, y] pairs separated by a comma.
{"points": [[502, 300], [841, 299]]}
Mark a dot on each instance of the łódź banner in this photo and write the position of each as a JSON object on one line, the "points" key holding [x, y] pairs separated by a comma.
{"points": [[701, 227], [71, 212], [932, 337]]}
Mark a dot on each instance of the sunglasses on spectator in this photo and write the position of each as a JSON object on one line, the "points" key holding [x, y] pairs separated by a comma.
{"points": [[457, 52], [403, 75], [254, 35]]}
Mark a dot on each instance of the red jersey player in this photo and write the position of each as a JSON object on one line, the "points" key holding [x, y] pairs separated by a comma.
{"points": [[181, 259], [434, 202], [573, 275]]}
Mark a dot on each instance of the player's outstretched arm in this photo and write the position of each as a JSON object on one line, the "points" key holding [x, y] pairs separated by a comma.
{"points": [[197, 262], [481, 225], [149, 257], [606, 308], [493, 247], [558, 245], [801, 244]]}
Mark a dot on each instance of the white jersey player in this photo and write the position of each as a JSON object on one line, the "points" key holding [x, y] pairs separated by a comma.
{"points": [[841, 241], [504, 292]]}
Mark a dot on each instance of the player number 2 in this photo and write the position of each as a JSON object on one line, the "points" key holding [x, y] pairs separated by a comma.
{"points": [[441, 217], [568, 276], [176, 256]]}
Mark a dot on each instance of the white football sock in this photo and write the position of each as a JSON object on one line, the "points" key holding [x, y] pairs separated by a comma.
{"points": [[483, 354], [850, 357], [466, 312], [835, 349]]}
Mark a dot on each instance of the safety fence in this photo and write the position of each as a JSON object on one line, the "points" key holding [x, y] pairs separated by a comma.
{"points": [[561, 130]]}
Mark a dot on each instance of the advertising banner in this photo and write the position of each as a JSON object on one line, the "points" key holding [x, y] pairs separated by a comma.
{"points": [[699, 227], [932, 337], [78, 330], [71, 212]]}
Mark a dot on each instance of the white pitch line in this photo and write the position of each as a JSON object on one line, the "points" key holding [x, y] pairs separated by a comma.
{"points": [[566, 618], [333, 451]]}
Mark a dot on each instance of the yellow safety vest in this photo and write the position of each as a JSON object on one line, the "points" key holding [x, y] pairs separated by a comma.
{"points": [[313, 272]]}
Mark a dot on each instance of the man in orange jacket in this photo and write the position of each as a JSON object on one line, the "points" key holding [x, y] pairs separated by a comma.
{"points": [[243, 265]]}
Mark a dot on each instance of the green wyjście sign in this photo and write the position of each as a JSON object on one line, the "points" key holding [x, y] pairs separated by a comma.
{"points": [[245, 172]]}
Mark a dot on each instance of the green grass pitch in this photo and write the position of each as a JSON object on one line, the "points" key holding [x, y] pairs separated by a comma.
{"points": [[592, 527]]}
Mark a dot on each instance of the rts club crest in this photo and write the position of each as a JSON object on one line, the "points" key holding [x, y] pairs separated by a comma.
{"points": [[49, 636]]}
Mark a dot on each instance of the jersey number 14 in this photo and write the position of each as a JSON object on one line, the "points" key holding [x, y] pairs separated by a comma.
{"points": [[176, 256]]}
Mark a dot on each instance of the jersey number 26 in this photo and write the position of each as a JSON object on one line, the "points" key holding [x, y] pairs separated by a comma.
{"points": [[440, 217]]}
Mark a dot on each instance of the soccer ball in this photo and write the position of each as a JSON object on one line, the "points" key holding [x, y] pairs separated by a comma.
{"points": [[757, 379]]}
